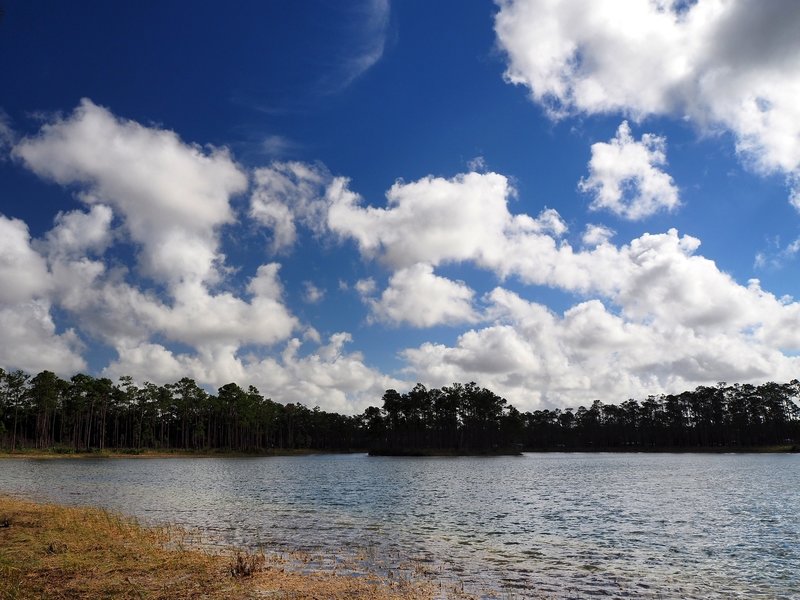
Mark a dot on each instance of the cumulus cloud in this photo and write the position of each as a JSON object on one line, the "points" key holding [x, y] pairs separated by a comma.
{"points": [[23, 272], [436, 220], [594, 235], [656, 315], [536, 358], [78, 232], [172, 196], [366, 287], [331, 378], [722, 64], [625, 178], [28, 336], [417, 297], [29, 340], [172, 199], [466, 220], [120, 314], [286, 193], [649, 315]]}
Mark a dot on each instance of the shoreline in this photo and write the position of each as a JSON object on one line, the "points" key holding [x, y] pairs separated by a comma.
{"points": [[53, 453], [51, 550], [125, 453]]}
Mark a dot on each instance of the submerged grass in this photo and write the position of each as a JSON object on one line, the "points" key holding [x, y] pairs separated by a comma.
{"points": [[58, 552]]}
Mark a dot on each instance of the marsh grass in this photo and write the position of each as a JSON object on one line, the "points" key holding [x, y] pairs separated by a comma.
{"points": [[247, 564], [58, 552]]}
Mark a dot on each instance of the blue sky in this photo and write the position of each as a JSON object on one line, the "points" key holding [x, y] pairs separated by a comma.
{"points": [[559, 201]]}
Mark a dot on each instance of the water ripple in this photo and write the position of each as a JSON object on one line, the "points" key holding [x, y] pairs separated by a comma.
{"points": [[553, 525]]}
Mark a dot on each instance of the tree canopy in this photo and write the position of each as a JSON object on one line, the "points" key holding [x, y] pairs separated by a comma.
{"points": [[86, 413]]}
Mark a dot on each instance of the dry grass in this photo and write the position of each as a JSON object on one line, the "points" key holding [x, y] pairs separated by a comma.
{"points": [[56, 552]]}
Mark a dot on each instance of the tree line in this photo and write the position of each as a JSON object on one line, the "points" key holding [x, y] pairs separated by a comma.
{"points": [[90, 413]]}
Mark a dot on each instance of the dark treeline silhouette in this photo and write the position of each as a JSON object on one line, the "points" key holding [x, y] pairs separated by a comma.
{"points": [[88, 413], [466, 418]]}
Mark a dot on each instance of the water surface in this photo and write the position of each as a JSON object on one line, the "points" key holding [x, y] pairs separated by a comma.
{"points": [[549, 525]]}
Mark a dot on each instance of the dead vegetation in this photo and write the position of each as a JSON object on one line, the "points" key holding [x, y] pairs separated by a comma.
{"points": [[57, 552]]}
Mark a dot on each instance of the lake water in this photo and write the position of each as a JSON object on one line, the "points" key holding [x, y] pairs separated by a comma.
{"points": [[540, 525]]}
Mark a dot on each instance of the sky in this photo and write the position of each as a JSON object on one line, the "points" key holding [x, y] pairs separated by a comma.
{"points": [[561, 201]]}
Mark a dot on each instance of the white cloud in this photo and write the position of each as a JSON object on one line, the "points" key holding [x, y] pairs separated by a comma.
{"points": [[436, 220], [78, 232], [23, 272], [120, 314], [28, 336], [366, 42], [722, 64], [466, 220], [330, 378], [675, 320], [366, 287], [311, 293], [6, 135], [182, 252], [278, 145], [536, 358], [417, 297], [285, 193], [173, 199], [312, 334], [173, 196], [594, 235], [776, 256], [651, 314], [625, 178], [28, 340], [477, 164], [794, 191]]}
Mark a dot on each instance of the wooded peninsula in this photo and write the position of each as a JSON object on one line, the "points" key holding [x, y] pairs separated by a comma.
{"points": [[86, 413]]}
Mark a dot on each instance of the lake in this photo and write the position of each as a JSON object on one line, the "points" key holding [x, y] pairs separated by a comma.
{"points": [[540, 525]]}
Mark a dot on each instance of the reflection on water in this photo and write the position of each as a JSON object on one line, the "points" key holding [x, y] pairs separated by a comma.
{"points": [[562, 525]]}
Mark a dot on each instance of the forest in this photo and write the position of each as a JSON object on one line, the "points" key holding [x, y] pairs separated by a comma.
{"points": [[88, 413]]}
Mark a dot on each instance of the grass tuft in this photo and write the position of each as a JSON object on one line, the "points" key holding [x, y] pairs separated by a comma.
{"points": [[246, 564]]}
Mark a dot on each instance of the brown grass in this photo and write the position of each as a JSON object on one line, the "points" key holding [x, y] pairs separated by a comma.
{"points": [[50, 551]]}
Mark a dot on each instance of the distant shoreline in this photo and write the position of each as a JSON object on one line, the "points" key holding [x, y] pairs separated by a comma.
{"points": [[54, 453], [124, 453], [777, 449], [421, 453]]}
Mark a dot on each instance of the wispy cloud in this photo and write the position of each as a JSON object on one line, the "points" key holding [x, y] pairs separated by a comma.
{"points": [[775, 256], [6, 134], [351, 40], [278, 146], [368, 42], [311, 293]]}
